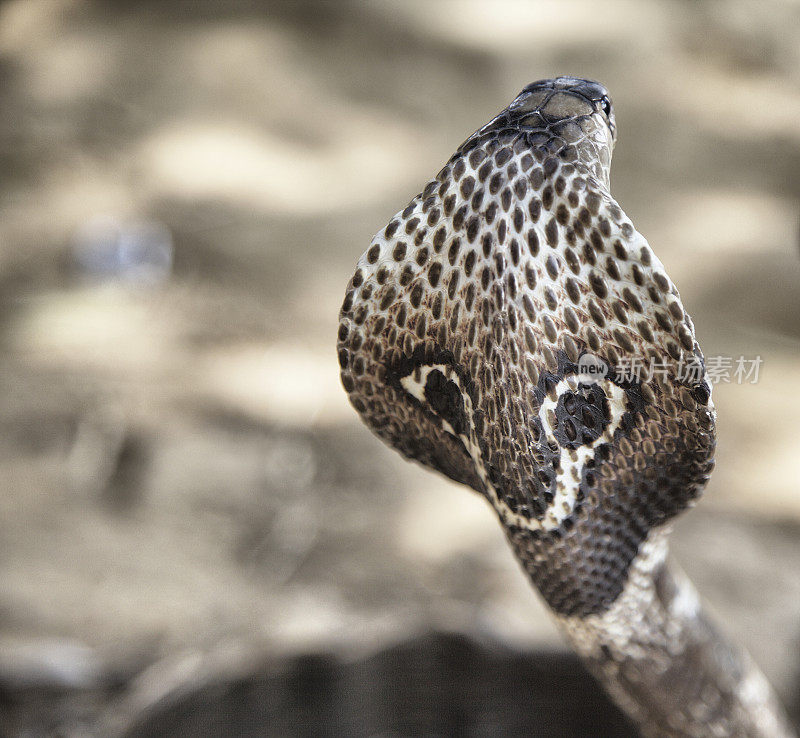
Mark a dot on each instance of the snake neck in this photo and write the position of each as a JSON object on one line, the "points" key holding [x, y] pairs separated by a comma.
{"points": [[665, 662]]}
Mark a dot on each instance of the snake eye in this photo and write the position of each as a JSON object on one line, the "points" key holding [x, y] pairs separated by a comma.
{"points": [[605, 104]]}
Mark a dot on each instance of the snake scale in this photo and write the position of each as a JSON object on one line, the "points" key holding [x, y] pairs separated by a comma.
{"points": [[511, 329]]}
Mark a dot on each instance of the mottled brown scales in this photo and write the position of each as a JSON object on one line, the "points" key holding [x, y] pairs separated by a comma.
{"points": [[462, 338], [619, 311]]}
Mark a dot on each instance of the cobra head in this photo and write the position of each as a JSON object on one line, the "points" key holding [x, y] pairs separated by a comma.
{"points": [[510, 329]]}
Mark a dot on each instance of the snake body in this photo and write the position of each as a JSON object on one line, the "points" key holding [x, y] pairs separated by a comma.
{"points": [[512, 330]]}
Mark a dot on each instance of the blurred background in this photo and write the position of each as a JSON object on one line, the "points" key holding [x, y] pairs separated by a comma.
{"points": [[197, 535]]}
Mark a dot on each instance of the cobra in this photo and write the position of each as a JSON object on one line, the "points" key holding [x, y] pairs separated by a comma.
{"points": [[463, 342]]}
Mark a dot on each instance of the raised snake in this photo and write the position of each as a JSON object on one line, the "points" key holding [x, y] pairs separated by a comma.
{"points": [[511, 329]]}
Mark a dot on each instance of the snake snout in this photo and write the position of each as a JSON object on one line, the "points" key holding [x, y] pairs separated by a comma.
{"points": [[568, 98]]}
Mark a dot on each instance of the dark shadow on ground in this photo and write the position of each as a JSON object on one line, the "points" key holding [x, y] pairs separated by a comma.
{"points": [[436, 685]]}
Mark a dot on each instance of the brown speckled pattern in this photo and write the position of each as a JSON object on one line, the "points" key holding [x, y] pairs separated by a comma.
{"points": [[459, 343]]}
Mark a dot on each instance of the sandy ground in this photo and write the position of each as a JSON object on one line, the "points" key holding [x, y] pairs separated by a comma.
{"points": [[186, 494]]}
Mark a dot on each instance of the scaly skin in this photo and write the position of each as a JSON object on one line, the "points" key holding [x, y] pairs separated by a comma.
{"points": [[464, 341]]}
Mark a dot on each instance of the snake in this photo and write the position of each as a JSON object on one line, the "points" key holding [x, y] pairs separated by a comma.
{"points": [[511, 329]]}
